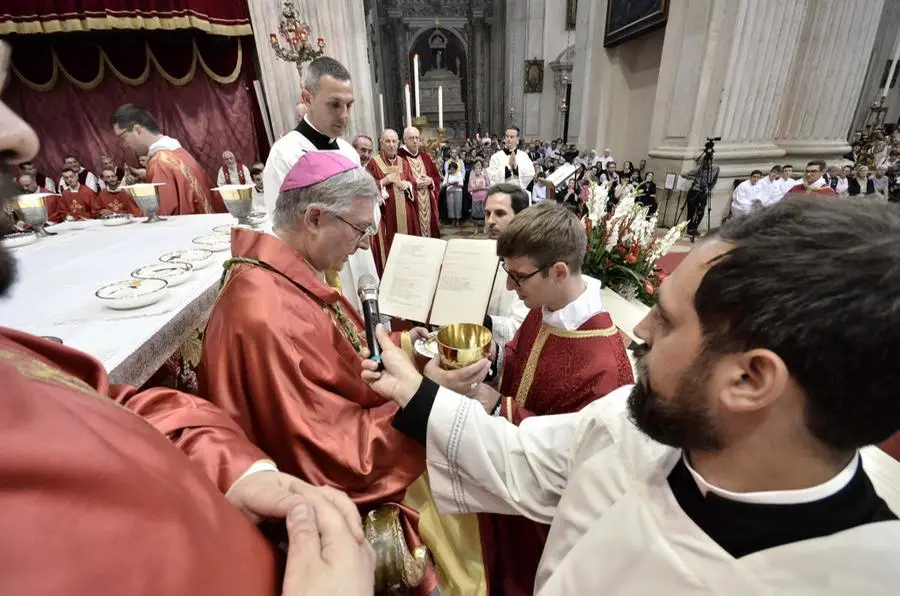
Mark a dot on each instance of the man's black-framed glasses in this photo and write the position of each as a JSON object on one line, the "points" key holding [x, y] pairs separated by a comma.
{"points": [[367, 232], [518, 279]]}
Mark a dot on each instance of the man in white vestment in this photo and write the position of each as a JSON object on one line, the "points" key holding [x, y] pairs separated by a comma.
{"points": [[770, 186], [740, 462], [506, 311], [746, 197], [328, 97], [787, 180], [511, 164]]}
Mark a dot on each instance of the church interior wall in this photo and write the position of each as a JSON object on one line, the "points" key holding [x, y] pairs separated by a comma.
{"points": [[886, 39]]}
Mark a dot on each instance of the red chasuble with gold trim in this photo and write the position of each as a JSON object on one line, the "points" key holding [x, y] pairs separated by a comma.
{"points": [[399, 213], [116, 202], [97, 500], [421, 166], [80, 204], [547, 370], [187, 187]]}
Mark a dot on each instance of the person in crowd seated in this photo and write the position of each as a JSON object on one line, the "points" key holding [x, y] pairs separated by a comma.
{"points": [[787, 179], [740, 462], [813, 182], [28, 184], [861, 183], [139, 174], [648, 196], [186, 188], [85, 177], [848, 171], [105, 464], [292, 381], [56, 211], [364, 146], [854, 154], [747, 196], [605, 159], [106, 163], [78, 201], [610, 174], [642, 169], [112, 200], [42, 180], [231, 171], [769, 188], [506, 310], [511, 164], [880, 182], [259, 195]]}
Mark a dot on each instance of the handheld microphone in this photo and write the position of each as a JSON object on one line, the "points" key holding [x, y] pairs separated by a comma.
{"points": [[368, 296]]}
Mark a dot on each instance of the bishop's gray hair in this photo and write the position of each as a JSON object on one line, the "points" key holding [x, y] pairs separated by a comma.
{"points": [[334, 195], [320, 67]]}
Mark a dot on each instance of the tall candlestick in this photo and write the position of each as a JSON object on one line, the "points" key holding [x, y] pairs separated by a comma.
{"points": [[408, 109], [416, 81], [440, 107], [381, 110], [892, 69]]}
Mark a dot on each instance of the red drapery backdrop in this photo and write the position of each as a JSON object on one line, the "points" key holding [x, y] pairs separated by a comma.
{"points": [[67, 87]]}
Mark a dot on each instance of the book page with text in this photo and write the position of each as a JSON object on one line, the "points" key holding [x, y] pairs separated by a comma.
{"points": [[410, 277], [467, 277]]}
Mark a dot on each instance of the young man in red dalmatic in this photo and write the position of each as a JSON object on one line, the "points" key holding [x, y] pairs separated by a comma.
{"points": [[78, 200], [426, 179], [112, 200]]}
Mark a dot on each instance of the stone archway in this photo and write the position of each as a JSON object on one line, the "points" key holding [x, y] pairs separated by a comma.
{"points": [[444, 63]]}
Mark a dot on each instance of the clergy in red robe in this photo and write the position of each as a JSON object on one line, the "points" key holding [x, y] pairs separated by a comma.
{"points": [[427, 182], [566, 354], [112, 200], [186, 187], [78, 200], [399, 212], [282, 348], [813, 181]]}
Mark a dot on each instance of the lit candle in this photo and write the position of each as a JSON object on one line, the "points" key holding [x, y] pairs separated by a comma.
{"points": [[273, 37], [416, 80], [408, 109], [893, 68], [440, 107], [381, 109]]}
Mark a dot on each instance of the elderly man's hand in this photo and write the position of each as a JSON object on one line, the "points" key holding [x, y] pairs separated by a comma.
{"points": [[273, 495]]}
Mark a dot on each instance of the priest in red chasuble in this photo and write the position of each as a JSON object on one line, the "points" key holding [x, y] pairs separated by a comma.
{"points": [[427, 181], [186, 187], [282, 351], [399, 213], [566, 354], [112, 200], [78, 200]]}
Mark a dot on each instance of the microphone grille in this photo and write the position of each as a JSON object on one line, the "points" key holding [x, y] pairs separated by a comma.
{"points": [[367, 281]]}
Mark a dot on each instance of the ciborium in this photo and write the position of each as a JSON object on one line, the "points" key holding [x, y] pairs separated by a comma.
{"points": [[462, 344], [238, 200], [396, 568], [32, 209], [146, 195]]}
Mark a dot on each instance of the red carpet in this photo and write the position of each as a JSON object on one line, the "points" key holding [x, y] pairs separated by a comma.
{"points": [[669, 261]]}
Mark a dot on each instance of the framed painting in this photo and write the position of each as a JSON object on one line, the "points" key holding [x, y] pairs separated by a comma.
{"points": [[627, 19], [571, 14], [534, 76]]}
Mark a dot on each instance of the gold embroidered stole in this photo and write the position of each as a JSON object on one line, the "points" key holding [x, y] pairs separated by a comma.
{"points": [[417, 165], [399, 199]]}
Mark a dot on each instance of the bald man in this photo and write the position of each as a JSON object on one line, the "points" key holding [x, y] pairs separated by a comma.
{"points": [[400, 214], [232, 172], [426, 180]]}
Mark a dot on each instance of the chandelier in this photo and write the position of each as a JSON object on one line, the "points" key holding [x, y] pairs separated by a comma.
{"points": [[295, 32]]}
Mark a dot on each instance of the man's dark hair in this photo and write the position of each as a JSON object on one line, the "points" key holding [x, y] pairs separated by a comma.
{"points": [[776, 169], [70, 157], [256, 170], [755, 172], [787, 165], [817, 162], [515, 128], [546, 233], [66, 169], [321, 67], [129, 115], [518, 198], [817, 283]]}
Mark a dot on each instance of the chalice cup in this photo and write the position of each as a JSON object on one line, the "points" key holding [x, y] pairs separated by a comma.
{"points": [[146, 195], [238, 200], [32, 209], [462, 344]]}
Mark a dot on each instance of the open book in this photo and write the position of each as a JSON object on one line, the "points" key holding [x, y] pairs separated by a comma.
{"points": [[438, 282]]}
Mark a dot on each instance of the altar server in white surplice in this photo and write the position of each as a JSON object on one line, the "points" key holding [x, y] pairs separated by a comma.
{"points": [[734, 465], [328, 96]]}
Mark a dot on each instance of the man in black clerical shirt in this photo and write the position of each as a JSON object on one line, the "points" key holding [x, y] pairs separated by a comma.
{"points": [[768, 371]]}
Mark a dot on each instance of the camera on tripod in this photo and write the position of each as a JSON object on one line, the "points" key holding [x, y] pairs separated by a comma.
{"points": [[710, 143]]}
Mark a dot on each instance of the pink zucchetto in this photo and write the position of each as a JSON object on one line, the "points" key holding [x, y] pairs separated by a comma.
{"points": [[315, 167]]}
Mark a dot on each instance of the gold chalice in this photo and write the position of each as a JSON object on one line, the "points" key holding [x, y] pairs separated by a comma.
{"points": [[462, 344], [238, 200], [146, 195], [32, 209]]}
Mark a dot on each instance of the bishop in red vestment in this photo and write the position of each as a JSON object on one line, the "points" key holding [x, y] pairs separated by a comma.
{"points": [[427, 182], [282, 348], [78, 200], [399, 212], [186, 187]]}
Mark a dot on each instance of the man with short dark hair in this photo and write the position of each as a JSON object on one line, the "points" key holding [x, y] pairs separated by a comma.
{"points": [[770, 186], [740, 462], [746, 197], [259, 197], [787, 181], [506, 311], [364, 146], [185, 187], [511, 164], [78, 201], [85, 177], [813, 181], [112, 200]]}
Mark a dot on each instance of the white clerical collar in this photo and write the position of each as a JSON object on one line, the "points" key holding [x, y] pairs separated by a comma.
{"points": [[164, 143], [817, 184], [310, 124], [416, 154], [573, 315], [781, 497]]}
